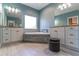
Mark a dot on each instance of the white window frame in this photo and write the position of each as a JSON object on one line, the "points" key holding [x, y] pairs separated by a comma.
{"points": [[26, 27]]}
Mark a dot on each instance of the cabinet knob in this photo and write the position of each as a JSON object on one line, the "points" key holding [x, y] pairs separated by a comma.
{"points": [[71, 42], [6, 29], [71, 34]]}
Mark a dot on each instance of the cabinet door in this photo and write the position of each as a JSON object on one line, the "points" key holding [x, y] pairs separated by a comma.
{"points": [[61, 34], [19, 33], [16, 34], [13, 35]]}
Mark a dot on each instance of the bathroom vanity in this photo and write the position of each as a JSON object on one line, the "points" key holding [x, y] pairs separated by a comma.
{"points": [[12, 35], [11, 29], [68, 35]]}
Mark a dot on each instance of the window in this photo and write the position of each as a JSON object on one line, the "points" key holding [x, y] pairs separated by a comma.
{"points": [[73, 20], [30, 22]]}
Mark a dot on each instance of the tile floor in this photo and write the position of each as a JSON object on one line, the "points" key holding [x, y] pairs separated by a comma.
{"points": [[29, 49]]}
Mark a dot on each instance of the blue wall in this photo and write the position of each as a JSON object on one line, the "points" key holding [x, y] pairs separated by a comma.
{"points": [[62, 19], [47, 17], [26, 10]]}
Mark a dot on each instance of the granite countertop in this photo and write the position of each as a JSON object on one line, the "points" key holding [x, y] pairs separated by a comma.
{"points": [[9, 27], [64, 26]]}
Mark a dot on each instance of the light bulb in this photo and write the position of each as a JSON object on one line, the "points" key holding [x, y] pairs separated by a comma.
{"points": [[13, 9], [60, 7], [16, 10], [9, 9], [64, 6], [69, 4]]}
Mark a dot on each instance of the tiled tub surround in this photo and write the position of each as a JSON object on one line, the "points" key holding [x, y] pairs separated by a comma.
{"points": [[36, 36], [68, 36]]}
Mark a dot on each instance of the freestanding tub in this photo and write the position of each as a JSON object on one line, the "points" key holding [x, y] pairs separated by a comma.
{"points": [[36, 36]]}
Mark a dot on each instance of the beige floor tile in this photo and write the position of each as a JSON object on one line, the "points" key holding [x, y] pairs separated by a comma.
{"points": [[29, 49]]}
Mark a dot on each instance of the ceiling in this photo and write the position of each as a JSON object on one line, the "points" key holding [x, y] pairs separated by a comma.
{"points": [[37, 6]]}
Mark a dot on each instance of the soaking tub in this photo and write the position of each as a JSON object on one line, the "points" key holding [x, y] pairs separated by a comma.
{"points": [[36, 36]]}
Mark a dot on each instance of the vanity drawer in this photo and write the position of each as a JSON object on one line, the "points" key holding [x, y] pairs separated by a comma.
{"points": [[5, 28], [71, 35], [72, 28], [72, 43], [6, 40]]}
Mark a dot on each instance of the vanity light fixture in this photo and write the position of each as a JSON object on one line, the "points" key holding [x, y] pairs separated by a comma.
{"points": [[64, 6], [14, 10]]}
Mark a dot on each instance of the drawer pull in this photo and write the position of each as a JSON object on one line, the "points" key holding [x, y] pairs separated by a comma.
{"points": [[6, 29], [71, 42], [17, 31], [6, 33], [56, 31], [71, 34], [71, 28], [6, 39]]}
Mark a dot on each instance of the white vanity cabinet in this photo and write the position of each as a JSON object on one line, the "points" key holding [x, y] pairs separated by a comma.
{"points": [[72, 36], [12, 34], [58, 32], [69, 36]]}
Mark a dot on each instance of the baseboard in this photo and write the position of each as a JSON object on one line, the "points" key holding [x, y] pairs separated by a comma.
{"points": [[34, 42], [10, 43], [71, 50]]}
